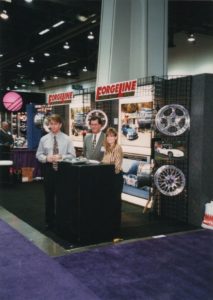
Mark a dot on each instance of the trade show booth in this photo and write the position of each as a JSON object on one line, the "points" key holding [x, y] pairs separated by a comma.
{"points": [[158, 123]]}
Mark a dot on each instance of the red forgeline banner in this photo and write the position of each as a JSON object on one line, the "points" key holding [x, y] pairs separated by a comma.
{"points": [[116, 90], [61, 98]]}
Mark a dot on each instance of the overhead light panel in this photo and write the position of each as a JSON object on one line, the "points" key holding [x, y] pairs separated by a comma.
{"points": [[55, 77], [44, 31], [61, 65], [69, 73], [84, 69], [1, 55], [46, 54], [33, 82], [29, 1], [58, 24], [90, 36], [43, 80], [66, 46], [4, 15]]}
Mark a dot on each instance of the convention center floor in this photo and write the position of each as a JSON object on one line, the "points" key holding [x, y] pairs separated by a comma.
{"points": [[22, 207]]}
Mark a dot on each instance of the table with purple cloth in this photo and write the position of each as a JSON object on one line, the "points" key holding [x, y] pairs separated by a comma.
{"points": [[23, 157]]}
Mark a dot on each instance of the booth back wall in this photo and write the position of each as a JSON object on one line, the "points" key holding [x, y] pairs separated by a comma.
{"points": [[201, 145]]}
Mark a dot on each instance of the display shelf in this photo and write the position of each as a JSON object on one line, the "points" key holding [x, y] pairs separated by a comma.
{"points": [[19, 129]]}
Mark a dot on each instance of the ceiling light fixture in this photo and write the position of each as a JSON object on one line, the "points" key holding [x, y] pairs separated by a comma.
{"points": [[32, 60], [46, 54], [82, 18], [58, 24], [4, 15], [84, 69], [29, 1], [33, 82], [44, 31], [191, 38], [69, 73], [1, 55], [90, 36], [43, 80], [66, 46], [19, 65], [55, 77]]}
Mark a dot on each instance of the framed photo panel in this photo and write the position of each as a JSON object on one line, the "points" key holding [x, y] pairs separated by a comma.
{"points": [[137, 180], [135, 125], [78, 111]]}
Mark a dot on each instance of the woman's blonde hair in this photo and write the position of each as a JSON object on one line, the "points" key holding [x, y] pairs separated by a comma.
{"points": [[110, 131]]}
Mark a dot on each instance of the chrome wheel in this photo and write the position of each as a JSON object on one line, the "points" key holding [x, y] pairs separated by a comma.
{"points": [[172, 120], [97, 113], [169, 180]]}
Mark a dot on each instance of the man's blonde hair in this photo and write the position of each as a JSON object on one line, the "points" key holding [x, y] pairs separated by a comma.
{"points": [[55, 118]]}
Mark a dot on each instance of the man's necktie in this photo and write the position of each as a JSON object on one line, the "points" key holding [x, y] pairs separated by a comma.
{"points": [[94, 142], [55, 151]]}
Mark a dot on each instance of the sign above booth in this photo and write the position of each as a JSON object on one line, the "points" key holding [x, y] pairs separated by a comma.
{"points": [[116, 90], [60, 98]]}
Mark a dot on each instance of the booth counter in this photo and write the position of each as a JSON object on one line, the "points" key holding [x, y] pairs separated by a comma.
{"points": [[85, 202]]}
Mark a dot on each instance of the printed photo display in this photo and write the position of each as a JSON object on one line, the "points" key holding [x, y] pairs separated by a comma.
{"points": [[79, 109], [164, 150], [136, 118], [137, 180]]}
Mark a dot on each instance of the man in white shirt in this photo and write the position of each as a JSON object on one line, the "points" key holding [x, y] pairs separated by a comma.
{"points": [[52, 148]]}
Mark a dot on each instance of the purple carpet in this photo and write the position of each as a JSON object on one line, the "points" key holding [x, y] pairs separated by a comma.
{"points": [[26, 273], [177, 267]]}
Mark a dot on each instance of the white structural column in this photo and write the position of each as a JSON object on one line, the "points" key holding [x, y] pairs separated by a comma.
{"points": [[133, 40]]}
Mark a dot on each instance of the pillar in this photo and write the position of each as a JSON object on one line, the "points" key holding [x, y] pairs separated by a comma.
{"points": [[133, 40]]}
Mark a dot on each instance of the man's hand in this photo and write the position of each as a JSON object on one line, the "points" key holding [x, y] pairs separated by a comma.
{"points": [[54, 158], [57, 157], [50, 158]]}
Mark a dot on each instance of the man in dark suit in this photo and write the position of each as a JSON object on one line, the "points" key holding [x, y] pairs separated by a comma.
{"points": [[6, 143], [93, 142]]}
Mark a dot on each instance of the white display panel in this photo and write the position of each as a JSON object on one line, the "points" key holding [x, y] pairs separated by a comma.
{"points": [[136, 116], [78, 111]]}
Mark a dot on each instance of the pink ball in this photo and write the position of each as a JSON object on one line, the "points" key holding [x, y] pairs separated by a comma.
{"points": [[12, 101]]}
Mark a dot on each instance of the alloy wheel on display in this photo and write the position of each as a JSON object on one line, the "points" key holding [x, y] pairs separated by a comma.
{"points": [[169, 180], [172, 120]]}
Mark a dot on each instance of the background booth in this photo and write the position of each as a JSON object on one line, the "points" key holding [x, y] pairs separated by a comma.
{"points": [[18, 109]]}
